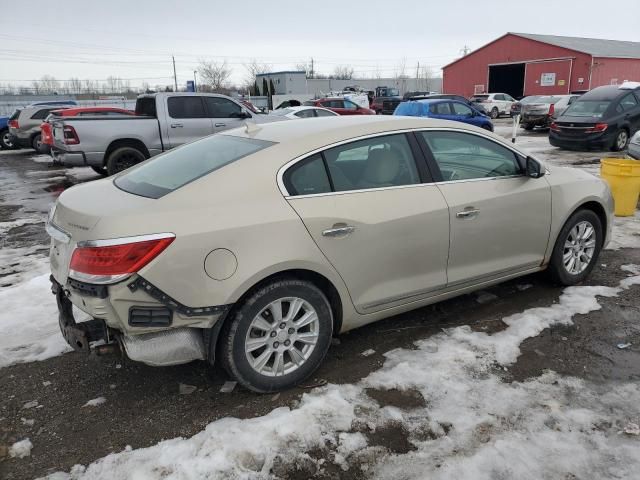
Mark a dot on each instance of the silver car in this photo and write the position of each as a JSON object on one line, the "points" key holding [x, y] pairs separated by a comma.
{"points": [[24, 125], [257, 245]]}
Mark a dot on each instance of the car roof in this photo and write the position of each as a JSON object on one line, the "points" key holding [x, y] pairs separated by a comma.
{"points": [[607, 92], [76, 110]]}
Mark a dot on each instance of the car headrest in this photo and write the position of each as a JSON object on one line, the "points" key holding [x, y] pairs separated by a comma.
{"points": [[383, 166]]}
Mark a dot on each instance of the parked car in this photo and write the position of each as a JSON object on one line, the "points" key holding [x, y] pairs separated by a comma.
{"points": [[24, 125], [261, 277], [414, 95], [543, 110], [605, 117], [516, 107], [6, 142], [303, 111], [444, 110], [388, 94], [46, 132], [162, 121], [495, 104], [634, 146], [289, 103], [450, 96], [341, 106]]}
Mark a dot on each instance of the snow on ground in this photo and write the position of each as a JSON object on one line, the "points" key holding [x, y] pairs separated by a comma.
{"points": [[21, 449], [95, 402], [474, 425]]}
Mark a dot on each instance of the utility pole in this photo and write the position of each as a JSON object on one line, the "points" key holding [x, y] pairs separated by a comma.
{"points": [[311, 68], [418, 76], [465, 50], [175, 77]]}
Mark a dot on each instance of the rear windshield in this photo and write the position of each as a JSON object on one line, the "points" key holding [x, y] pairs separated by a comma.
{"points": [[15, 115], [174, 169], [587, 108]]}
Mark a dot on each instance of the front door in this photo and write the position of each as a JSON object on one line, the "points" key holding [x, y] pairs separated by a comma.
{"points": [[187, 120], [500, 218], [370, 211], [224, 113]]}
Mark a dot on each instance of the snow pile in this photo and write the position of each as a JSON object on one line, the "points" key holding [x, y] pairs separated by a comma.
{"points": [[20, 264], [29, 323], [95, 402], [626, 232], [21, 449], [474, 425]]}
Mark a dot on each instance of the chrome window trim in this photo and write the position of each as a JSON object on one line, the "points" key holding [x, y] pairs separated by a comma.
{"points": [[57, 233], [123, 240], [289, 164]]}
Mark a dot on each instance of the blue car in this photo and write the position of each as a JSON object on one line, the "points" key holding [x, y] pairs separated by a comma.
{"points": [[5, 138], [444, 109]]}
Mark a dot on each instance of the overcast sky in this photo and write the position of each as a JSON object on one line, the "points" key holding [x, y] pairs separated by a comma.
{"points": [[134, 39]]}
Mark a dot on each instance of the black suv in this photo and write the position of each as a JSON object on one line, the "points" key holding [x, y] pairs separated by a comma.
{"points": [[605, 117]]}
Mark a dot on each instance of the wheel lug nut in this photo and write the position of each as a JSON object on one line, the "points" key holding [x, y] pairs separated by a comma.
{"points": [[287, 343], [276, 344], [283, 325], [290, 331], [273, 334]]}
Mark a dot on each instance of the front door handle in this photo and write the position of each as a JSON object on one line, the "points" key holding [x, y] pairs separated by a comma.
{"points": [[176, 125], [468, 212], [220, 124], [339, 230]]}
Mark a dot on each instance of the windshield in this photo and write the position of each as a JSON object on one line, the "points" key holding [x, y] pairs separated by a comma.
{"points": [[587, 108], [168, 172]]}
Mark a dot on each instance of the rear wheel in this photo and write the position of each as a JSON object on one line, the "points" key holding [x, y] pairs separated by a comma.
{"points": [[577, 248], [620, 141], [5, 140], [494, 113], [122, 158], [278, 336], [528, 126], [36, 142]]}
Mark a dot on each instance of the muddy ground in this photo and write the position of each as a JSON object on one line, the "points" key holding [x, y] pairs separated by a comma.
{"points": [[144, 404]]}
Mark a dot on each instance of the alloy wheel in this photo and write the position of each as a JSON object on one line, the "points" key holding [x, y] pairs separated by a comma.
{"points": [[282, 337], [621, 139], [579, 248], [6, 140]]}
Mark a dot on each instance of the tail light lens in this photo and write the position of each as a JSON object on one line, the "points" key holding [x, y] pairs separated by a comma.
{"points": [[109, 261], [552, 109], [554, 127], [597, 128], [13, 124], [70, 135]]}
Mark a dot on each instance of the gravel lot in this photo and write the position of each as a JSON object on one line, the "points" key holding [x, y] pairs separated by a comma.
{"points": [[144, 405]]}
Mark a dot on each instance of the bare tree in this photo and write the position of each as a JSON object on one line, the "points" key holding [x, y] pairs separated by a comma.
{"points": [[303, 67], [73, 85], [254, 68], [114, 84], [343, 72], [401, 69], [214, 74], [49, 84]]}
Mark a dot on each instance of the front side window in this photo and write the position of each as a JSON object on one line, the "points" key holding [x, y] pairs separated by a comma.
{"points": [[460, 109], [333, 104], [307, 177], [377, 162], [186, 107], [440, 108], [168, 172], [222, 108], [349, 105], [463, 156]]}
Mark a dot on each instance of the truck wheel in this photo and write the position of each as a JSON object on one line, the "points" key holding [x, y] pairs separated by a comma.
{"points": [[122, 158], [278, 336], [620, 141], [577, 248], [100, 170], [494, 113], [5, 140], [36, 142], [528, 126]]}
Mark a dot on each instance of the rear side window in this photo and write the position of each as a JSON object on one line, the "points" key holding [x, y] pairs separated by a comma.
{"points": [[307, 177], [324, 113], [305, 113], [186, 107], [167, 172], [41, 114], [628, 102], [440, 108], [222, 107], [146, 107]]}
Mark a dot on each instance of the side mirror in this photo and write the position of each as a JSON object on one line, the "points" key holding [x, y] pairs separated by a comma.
{"points": [[534, 168]]}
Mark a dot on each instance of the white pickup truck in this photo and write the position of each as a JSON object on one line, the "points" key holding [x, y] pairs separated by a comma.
{"points": [[162, 121]]}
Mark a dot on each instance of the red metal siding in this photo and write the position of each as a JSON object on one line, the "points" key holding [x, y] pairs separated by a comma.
{"points": [[533, 77], [461, 76], [605, 70]]}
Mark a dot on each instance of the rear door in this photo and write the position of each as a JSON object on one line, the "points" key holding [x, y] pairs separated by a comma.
{"points": [[500, 218], [373, 212], [187, 119], [224, 113]]}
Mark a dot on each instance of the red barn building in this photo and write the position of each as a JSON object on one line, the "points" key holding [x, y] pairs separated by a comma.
{"points": [[522, 64]]}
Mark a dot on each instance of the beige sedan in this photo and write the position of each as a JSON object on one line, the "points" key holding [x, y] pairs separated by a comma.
{"points": [[258, 244]]}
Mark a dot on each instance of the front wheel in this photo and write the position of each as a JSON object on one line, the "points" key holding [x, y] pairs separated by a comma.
{"points": [[5, 140], [122, 158], [620, 141], [494, 113], [278, 336], [577, 248]]}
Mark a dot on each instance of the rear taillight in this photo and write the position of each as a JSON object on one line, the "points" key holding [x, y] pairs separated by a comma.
{"points": [[70, 135], [13, 124], [109, 261], [554, 127], [552, 109], [597, 128]]}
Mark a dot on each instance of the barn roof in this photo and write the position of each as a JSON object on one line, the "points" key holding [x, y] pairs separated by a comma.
{"points": [[596, 47]]}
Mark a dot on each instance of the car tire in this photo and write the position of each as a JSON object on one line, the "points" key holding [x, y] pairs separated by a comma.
{"points": [[100, 170], [5, 140], [528, 126], [495, 113], [122, 158], [258, 369], [487, 127], [575, 244], [36, 142], [620, 141]]}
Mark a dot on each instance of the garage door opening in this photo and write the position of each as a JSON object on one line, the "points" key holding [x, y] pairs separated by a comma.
{"points": [[507, 79]]}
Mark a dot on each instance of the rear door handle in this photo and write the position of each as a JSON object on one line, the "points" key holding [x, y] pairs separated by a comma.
{"points": [[220, 124], [339, 230], [176, 125], [468, 213]]}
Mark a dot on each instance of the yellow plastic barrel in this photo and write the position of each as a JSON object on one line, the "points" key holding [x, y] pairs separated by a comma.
{"points": [[623, 176]]}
